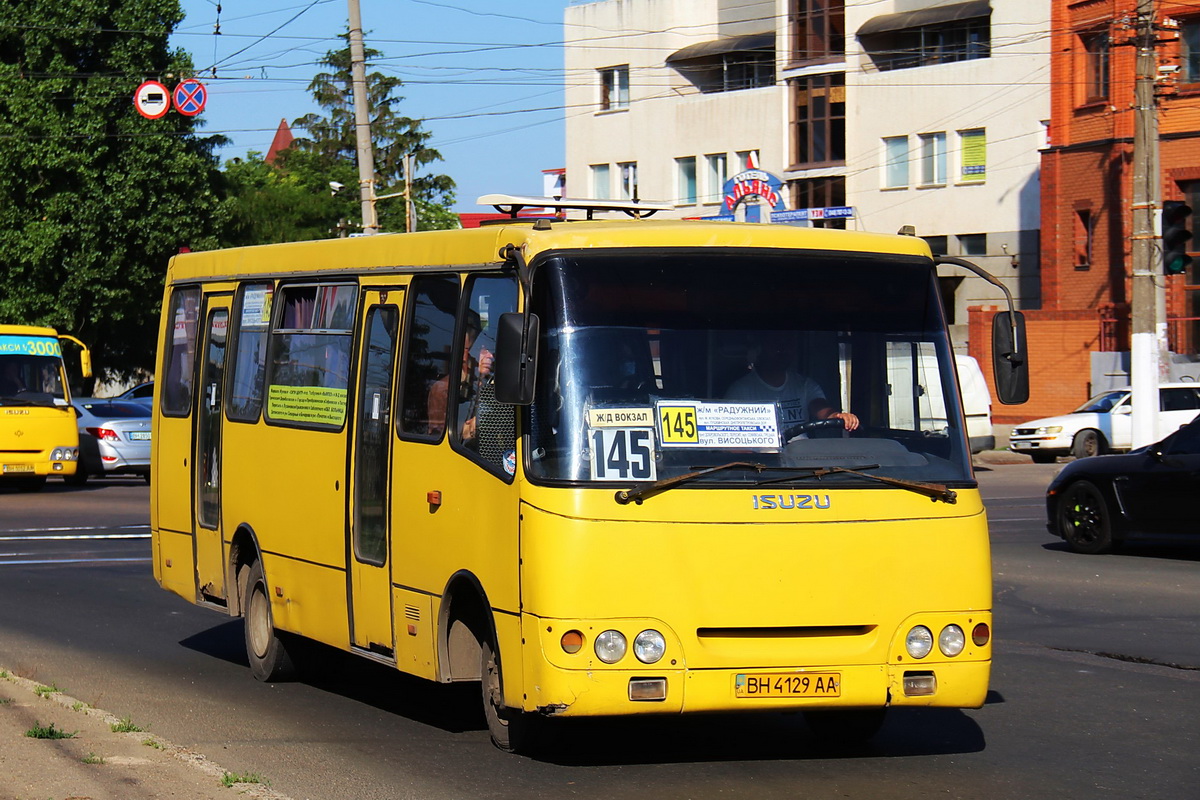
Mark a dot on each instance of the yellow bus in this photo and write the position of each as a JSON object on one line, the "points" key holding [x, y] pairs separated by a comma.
{"points": [[524, 455], [38, 433]]}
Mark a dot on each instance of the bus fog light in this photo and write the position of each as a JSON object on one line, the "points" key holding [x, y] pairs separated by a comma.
{"points": [[610, 647], [919, 684], [649, 646], [981, 634], [952, 640], [647, 689], [919, 642], [572, 642]]}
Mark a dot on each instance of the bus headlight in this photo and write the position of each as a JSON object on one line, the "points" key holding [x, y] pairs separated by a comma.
{"points": [[649, 646], [919, 642], [952, 640], [64, 454], [610, 647]]}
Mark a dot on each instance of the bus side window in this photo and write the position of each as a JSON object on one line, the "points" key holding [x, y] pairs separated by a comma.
{"points": [[429, 345], [484, 425], [180, 352], [251, 318]]}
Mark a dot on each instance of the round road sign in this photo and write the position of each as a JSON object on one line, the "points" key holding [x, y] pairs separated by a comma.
{"points": [[152, 100], [190, 97]]}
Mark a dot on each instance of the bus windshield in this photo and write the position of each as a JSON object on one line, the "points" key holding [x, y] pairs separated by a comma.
{"points": [[658, 364], [31, 380]]}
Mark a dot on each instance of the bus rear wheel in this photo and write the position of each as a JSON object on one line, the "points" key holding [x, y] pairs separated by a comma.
{"points": [[509, 728], [265, 649]]}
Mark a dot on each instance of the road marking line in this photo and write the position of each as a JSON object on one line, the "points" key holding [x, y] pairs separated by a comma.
{"points": [[33, 562], [82, 528], [75, 537]]}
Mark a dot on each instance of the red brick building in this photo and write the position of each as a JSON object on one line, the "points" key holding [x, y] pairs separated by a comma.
{"points": [[1086, 194]]}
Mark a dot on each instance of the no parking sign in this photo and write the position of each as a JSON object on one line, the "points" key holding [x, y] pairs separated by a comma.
{"points": [[190, 97]]}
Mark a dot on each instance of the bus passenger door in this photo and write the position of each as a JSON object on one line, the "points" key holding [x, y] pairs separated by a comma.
{"points": [[371, 622], [210, 554]]}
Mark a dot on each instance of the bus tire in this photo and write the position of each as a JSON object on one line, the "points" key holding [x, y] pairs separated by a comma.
{"points": [[265, 649], [508, 727], [840, 728], [80, 477], [32, 484]]}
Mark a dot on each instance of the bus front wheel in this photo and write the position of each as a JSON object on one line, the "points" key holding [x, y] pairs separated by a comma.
{"points": [[508, 727], [269, 659]]}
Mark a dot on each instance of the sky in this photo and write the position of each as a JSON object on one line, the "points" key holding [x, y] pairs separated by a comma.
{"points": [[485, 78]]}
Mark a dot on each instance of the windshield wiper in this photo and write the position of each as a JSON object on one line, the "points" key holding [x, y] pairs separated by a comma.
{"points": [[934, 491], [639, 493]]}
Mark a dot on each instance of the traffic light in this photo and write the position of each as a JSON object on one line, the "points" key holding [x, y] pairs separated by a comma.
{"points": [[1176, 216]]}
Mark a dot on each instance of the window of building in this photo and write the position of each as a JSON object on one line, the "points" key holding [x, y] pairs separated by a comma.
{"points": [[903, 41], [1189, 50], [937, 244], [1095, 66], [1085, 232], [729, 63], [614, 87], [895, 162], [972, 145], [716, 173], [601, 187], [820, 126], [820, 193], [933, 159], [685, 178], [629, 180], [972, 244], [818, 29]]}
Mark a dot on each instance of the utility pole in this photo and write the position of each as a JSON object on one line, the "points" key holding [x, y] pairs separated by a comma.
{"points": [[1148, 327], [410, 211], [362, 122]]}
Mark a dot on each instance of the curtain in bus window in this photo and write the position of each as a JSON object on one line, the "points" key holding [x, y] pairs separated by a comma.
{"points": [[428, 351], [252, 315], [180, 349], [310, 355]]}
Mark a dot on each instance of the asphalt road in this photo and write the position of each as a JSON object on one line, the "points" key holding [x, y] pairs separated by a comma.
{"points": [[1095, 686]]}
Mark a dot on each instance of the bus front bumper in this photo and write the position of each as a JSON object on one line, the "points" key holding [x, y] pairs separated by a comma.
{"points": [[606, 692]]}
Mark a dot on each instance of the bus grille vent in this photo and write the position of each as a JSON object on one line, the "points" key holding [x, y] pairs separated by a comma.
{"points": [[413, 613]]}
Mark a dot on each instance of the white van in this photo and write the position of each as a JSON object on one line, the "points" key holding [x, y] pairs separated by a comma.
{"points": [[925, 398]]}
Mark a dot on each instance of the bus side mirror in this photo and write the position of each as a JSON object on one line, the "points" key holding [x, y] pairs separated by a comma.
{"points": [[1010, 357], [85, 362], [516, 357]]}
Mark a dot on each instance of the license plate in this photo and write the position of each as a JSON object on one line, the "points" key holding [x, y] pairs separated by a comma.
{"points": [[139, 436], [788, 684], [18, 468]]}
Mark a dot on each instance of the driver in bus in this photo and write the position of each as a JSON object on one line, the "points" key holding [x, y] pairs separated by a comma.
{"points": [[773, 378]]}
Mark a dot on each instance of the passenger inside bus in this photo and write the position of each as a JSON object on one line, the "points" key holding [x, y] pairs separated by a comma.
{"points": [[11, 382], [771, 377], [473, 372]]}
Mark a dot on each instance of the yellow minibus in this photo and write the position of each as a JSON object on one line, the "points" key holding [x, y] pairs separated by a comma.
{"points": [[601, 467], [38, 433]]}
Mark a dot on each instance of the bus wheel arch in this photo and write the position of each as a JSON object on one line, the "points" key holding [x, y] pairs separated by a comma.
{"points": [[243, 551], [464, 624]]}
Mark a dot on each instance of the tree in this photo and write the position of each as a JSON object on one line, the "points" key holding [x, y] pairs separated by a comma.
{"points": [[94, 198], [332, 138]]}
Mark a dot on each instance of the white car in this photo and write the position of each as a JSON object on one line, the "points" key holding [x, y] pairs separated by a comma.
{"points": [[114, 439], [1102, 424]]}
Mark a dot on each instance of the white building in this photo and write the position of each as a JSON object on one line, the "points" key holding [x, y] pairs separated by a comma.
{"points": [[913, 112], [667, 99]]}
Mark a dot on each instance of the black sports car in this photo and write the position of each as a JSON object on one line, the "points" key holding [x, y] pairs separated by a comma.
{"points": [[1097, 503]]}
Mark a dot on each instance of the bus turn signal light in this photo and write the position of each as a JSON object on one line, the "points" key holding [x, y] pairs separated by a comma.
{"points": [[981, 634], [572, 642]]}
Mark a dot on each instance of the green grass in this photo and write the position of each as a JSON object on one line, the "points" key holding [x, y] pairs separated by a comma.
{"points": [[230, 778], [155, 743], [78, 705], [126, 726], [38, 731], [46, 691], [5, 701], [4, 674], [92, 758]]}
